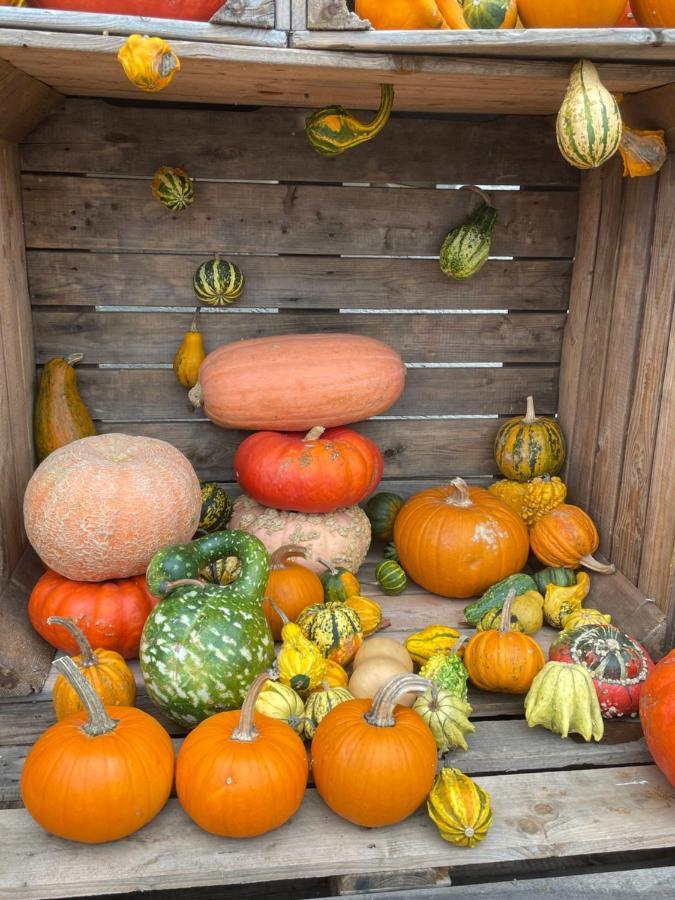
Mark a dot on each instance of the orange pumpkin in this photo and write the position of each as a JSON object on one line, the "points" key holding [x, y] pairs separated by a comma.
{"points": [[242, 774], [570, 13], [458, 540], [397, 15], [290, 586], [567, 537], [101, 507], [374, 762], [654, 13], [503, 660], [100, 775]]}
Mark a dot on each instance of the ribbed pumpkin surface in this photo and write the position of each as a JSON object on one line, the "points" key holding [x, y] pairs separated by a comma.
{"points": [[296, 381], [570, 13], [589, 122]]}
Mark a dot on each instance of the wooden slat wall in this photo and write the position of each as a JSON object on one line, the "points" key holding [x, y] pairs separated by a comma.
{"points": [[110, 269]]}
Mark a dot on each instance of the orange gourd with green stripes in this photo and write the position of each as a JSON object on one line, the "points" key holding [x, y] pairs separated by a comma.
{"points": [[530, 446]]}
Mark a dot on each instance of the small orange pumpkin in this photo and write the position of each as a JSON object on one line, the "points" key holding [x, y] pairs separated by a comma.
{"points": [[504, 661], [292, 587], [567, 537]]}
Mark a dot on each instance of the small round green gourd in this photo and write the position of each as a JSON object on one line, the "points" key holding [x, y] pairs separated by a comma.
{"points": [[382, 510], [218, 282], [447, 671], [320, 703], [390, 577]]}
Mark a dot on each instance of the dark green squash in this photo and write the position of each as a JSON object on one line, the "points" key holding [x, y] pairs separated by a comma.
{"points": [[216, 507], [382, 510], [60, 416], [466, 248], [391, 577], [218, 282], [561, 577], [495, 596]]}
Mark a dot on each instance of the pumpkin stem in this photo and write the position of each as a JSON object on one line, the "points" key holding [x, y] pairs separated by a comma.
{"points": [[166, 587], [194, 327], [590, 562], [281, 555], [86, 653], [381, 713], [461, 495], [246, 730], [98, 721], [481, 193], [505, 621], [74, 358], [314, 433], [530, 416], [327, 565], [196, 396], [279, 611], [460, 643]]}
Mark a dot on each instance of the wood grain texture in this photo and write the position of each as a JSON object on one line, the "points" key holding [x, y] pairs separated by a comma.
{"points": [[85, 136], [253, 13], [77, 278], [135, 395], [652, 109], [333, 15], [94, 214], [638, 469], [121, 337], [535, 816], [25, 102], [284, 77]]}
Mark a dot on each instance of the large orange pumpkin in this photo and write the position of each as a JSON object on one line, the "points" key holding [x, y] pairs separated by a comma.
{"points": [[296, 381], [654, 13], [196, 10], [375, 762], [567, 537], [290, 586], [458, 540], [657, 714], [570, 13], [101, 507]]}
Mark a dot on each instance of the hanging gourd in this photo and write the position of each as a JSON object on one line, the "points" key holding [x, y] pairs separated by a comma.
{"points": [[504, 661], [241, 774], [422, 645], [495, 596], [216, 507], [148, 62], [370, 614], [189, 355], [589, 123], [528, 447], [374, 762], [643, 152], [447, 717], [382, 510], [335, 628], [291, 587], [98, 775], [60, 415], [563, 700], [459, 808], [339, 584], [657, 714], [560, 602], [390, 577], [332, 130], [105, 670], [466, 248], [320, 703], [300, 662], [173, 187], [279, 701], [447, 671], [566, 536], [218, 282]]}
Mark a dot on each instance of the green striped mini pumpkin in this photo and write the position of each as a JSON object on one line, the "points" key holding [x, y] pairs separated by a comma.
{"points": [[589, 123], [466, 248], [173, 187], [391, 577], [528, 446], [218, 282]]}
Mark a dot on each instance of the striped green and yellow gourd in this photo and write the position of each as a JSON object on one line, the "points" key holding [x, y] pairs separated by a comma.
{"points": [[335, 628], [466, 248], [589, 123], [218, 282], [173, 187], [391, 577], [332, 130], [528, 446]]}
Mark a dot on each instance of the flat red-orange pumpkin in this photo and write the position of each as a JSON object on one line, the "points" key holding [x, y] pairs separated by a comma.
{"points": [[101, 507], [657, 714], [457, 540], [313, 473]]}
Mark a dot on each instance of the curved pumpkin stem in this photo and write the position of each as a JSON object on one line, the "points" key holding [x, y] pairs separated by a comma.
{"points": [[196, 396], [314, 433], [87, 654], [530, 416], [381, 713], [328, 565], [167, 586], [281, 555], [590, 562], [279, 611], [74, 358], [193, 325], [481, 193], [461, 496], [505, 621], [246, 730], [98, 721]]}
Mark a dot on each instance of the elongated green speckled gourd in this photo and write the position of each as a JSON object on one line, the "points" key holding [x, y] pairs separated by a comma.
{"points": [[334, 129], [203, 645]]}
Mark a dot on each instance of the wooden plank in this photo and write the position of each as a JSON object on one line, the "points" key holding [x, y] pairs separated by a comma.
{"points": [[333, 15], [24, 101], [255, 13], [125, 395], [551, 814], [75, 278], [94, 214], [282, 14], [652, 109], [85, 136], [298, 15], [283, 77], [121, 337], [650, 370], [393, 881]]}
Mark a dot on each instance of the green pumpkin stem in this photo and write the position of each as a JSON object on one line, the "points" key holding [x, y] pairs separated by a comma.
{"points": [[87, 654], [166, 587], [530, 416], [461, 495], [314, 433], [98, 721], [246, 732], [505, 621], [382, 115], [281, 555], [74, 358], [381, 713]]}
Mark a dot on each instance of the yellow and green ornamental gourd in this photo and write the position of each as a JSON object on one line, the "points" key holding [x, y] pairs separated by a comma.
{"points": [[527, 614], [585, 616], [216, 507], [332, 130], [218, 282], [459, 808], [589, 123], [560, 602], [320, 703], [334, 628], [370, 614], [532, 499], [529, 446], [148, 62], [447, 671], [447, 717], [466, 248], [563, 699], [279, 701], [300, 662], [422, 645], [391, 577], [173, 187]]}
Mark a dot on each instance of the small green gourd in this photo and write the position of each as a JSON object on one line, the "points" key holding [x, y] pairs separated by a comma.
{"points": [[390, 577], [466, 248], [495, 596], [332, 130], [447, 671]]}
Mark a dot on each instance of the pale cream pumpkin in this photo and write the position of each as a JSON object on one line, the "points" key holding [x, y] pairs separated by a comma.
{"points": [[101, 507]]}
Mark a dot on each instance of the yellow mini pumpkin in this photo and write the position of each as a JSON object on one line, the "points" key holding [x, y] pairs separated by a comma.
{"points": [[334, 675], [301, 664], [560, 602], [320, 703], [511, 492], [433, 639], [370, 614], [279, 701], [582, 616], [459, 808], [148, 62]]}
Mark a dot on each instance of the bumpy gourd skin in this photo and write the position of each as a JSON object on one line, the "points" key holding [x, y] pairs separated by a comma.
{"points": [[203, 645]]}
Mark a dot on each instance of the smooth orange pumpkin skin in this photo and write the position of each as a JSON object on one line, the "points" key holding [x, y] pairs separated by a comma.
{"points": [[457, 552], [369, 775], [292, 588], [101, 507], [96, 789], [111, 678], [563, 536], [396, 15], [657, 714], [238, 789], [570, 13], [654, 13], [503, 661]]}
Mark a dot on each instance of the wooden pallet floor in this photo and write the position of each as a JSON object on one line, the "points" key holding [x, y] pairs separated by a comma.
{"points": [[554, 801]]}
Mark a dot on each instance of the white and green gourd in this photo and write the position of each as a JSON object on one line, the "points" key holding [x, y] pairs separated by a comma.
{"points": [[589, 122]]}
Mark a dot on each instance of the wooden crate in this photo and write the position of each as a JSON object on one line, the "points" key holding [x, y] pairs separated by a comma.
{"points": [[576, 307]]}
